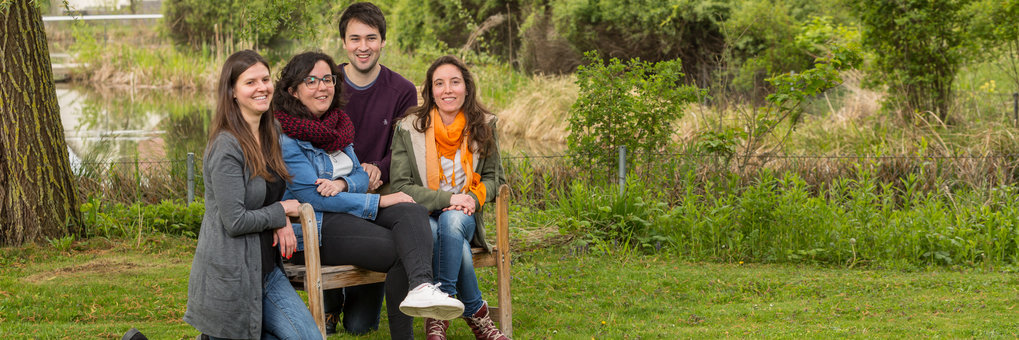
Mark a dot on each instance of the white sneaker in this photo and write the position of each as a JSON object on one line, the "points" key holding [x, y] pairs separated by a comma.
{"points": [[427, 301]]}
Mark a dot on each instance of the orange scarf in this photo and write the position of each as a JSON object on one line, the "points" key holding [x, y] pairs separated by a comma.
{"points": [[444, 141]]}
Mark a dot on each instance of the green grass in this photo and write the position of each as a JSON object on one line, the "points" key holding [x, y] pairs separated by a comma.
{"points": [[102, 287]]}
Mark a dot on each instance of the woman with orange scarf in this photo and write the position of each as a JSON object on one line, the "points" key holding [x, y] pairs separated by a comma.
{"points": [[446, 157]]}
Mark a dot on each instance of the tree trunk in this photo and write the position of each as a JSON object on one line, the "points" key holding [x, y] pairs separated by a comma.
{"points": [[38, 198]]}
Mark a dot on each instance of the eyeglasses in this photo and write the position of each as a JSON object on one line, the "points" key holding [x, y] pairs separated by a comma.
{"points": [[312, 81]]}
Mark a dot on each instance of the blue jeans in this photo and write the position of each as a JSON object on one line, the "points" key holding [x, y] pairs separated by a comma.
{"points": [[361, 306], [452, 261], [284, 315]]}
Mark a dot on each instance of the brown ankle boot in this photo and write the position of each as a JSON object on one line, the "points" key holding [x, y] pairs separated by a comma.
{"points": [[435, 329], [483, 327]]}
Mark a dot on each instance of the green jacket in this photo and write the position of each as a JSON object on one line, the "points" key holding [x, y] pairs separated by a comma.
{"points": [[407, 173]]}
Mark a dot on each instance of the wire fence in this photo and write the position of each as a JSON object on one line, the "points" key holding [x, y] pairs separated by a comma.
{"points": [[540, 178], [139, 180], [547, 178]]}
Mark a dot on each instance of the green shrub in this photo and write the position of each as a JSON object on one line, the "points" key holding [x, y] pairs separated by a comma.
{"points": [[601, 218], [918, 46], [631, 104], [120, 220], [996, 32]]}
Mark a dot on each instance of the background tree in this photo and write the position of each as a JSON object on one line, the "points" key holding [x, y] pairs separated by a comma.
{"points": [[38, 197], [918, 48]]}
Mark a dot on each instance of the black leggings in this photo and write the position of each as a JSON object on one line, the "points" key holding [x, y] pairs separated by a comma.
{"points": [[398, 242]]}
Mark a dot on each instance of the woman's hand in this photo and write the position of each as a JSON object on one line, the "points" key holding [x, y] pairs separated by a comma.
{"points": [[329, 188], [291, 208], [286, 239], [374, 175], [462, 202], [392, 199]]}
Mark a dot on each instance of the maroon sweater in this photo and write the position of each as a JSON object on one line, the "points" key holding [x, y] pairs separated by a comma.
{"points": [[373, 112]]}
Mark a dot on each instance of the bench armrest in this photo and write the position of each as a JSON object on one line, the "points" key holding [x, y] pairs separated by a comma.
{"points": [[313, 266]]}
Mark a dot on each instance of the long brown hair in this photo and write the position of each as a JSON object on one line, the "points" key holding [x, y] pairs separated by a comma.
{"points": [[477, 129], [228, 118]]}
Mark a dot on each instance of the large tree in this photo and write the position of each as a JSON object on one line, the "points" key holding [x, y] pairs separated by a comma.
{"points": [[38, 197]]}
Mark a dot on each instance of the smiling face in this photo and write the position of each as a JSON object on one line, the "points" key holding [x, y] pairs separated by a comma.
{"points": [[363, 44], [316, 98], [253, 90], [448, 89]]}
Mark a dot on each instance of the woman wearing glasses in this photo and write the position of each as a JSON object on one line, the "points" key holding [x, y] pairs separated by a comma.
{"points": [[385, 233]]}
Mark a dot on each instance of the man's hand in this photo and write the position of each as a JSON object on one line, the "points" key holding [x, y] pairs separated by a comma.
{"points": [[374, 175]]}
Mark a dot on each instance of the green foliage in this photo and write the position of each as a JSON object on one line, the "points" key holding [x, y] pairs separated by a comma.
{"points": [[631, 104], [761, 35], [650, 30], [996, 31], [602, 218], [120, 220], [918, 46], [251, 24], [62, 244]]}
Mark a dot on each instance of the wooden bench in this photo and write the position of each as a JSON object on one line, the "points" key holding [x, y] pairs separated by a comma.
{"points": [[313, 277]]}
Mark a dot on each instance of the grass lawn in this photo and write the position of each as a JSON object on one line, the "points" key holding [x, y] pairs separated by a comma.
{"points": [[101, 288]]}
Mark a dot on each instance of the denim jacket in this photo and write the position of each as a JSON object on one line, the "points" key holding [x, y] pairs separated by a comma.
{"points": [[307, 164]]}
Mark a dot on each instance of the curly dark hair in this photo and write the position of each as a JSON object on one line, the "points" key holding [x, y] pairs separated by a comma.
{"points": [[477, 129], [293, 75]]}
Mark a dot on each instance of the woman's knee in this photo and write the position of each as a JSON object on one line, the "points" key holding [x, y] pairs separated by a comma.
{"points": [[456, 222], [412, 209]]}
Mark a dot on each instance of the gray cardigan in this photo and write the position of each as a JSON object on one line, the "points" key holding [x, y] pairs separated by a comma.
{"points": [[225, 286]]}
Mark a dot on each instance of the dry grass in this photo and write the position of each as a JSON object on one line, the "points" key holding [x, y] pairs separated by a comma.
{"points": [[540, 110]]}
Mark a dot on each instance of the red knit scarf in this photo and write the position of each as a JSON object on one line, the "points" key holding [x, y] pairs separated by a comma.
{"points": [[330, 132]]}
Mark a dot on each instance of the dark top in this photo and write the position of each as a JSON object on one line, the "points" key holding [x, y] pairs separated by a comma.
{"points": [[373, 111], [270, 255]]}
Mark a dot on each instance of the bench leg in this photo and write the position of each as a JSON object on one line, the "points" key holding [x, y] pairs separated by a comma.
{"points": [[505, 311], [313, 267]]}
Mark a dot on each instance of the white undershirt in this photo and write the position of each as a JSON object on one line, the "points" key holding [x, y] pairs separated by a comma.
{"points": [[342, 164], [452, 168]]}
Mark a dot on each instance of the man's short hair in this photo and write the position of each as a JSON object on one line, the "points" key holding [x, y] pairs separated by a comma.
{"points": [[365, 12]]}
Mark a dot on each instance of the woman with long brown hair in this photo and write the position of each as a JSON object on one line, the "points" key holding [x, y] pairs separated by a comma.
{"points": [[446, 156], [237, 288]]}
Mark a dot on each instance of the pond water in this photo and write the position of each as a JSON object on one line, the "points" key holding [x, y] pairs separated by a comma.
{"points": [[113, 125]]}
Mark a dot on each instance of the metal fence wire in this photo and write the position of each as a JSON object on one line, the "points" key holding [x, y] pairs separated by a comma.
{"points": [[139, 180], [536, 179], [546, 177]]}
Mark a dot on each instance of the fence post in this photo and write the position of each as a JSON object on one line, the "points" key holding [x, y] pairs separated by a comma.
{"points": [[191, 177], [622, 169]]}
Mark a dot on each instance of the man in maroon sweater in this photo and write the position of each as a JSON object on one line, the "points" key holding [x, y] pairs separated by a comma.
{"points": [[376, 97]]}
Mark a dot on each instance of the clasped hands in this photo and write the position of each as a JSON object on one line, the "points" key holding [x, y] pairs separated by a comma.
{"points": [[462, 202]]}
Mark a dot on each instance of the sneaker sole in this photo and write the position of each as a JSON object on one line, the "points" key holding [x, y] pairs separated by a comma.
{"points": [[435, 312]]}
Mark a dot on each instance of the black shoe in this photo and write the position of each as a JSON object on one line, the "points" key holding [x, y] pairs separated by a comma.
{"points": [[134, 334], [331, 321]]}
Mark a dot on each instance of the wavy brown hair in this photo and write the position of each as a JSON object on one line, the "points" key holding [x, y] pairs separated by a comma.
{"points": [[477, 129], [228, 118]]}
